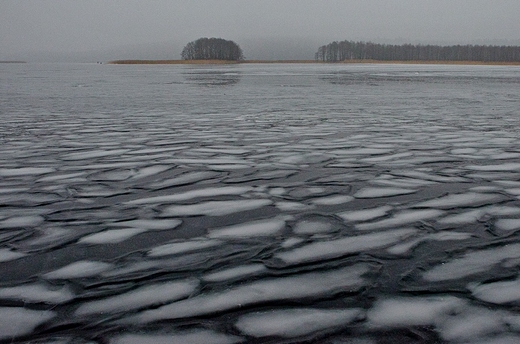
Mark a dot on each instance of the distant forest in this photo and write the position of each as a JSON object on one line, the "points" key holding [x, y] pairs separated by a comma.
{"points": [[349, 50], [212, 49]]}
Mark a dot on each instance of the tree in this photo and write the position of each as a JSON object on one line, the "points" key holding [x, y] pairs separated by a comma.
{"points": [[212, 49], [348, 50]]}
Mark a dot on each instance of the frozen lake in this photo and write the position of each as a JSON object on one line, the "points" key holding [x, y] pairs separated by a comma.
{"points": [[259, 204]]}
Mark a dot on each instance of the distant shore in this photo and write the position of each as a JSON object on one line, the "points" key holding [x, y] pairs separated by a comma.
{"points": [[13, 62], [222, 62]]}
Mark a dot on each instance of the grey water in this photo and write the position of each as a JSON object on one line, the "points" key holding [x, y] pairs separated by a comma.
{"points": [[259, 203]]}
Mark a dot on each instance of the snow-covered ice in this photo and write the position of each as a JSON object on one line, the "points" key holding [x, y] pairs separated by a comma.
{"points": [[216, 208], [249, 229], [295, 322], [283, 288], [199, 336], [331, 203], [322, 250], [145, 296], [79, 269], [21, 321], [382, 192]]}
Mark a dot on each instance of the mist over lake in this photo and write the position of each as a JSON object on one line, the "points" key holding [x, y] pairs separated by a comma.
{"points": [[259, 203]]}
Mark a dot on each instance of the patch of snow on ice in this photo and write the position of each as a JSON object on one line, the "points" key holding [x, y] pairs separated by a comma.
{"points": [[283, 288], [382, 192], [36, 293], [365, 214], [472, 263], [20, 321], [216, 208], [144, 296], [235, 272], [182, 247], [249, 229], [188, 337], [81, 269], [322, 250], [295, 322]]}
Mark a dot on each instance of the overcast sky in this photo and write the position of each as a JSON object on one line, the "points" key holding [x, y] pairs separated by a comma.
{"points": [[69, 26]]}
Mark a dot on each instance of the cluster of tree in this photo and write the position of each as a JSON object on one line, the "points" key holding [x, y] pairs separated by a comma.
{"points": [[349, 50], [212, 49]]}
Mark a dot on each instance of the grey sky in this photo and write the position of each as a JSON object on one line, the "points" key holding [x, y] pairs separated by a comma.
{"points": [[69, 26]]}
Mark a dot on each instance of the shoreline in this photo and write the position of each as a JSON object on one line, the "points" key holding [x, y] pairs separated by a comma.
{"points": [[13, 62], [224, 62]]}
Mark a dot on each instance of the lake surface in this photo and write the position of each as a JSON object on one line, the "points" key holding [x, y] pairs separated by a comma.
{"points": [[271, 203]]}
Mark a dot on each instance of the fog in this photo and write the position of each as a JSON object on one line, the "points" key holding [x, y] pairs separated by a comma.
{"points": [[83, 30]]}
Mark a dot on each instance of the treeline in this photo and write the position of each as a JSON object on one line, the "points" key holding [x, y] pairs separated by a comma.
{"points": [[349, 50], [212, 49]]}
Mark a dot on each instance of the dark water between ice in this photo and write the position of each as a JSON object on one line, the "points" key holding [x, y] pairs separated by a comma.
{"points": [[259, 204]]}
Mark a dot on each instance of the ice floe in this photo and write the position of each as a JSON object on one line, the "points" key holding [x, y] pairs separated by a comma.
{"points": [[404, 217], [21, 221], [216, 208], [497, 292], [405, 247], [472, 263], [188, 195], [267, 290], [199, 336], [37, 293], [145, 296], [312, 227], [405, 312], [459, 200], [295, 322], [7, 254], [183, 247], [20, 321], [235, 272], [365, 214], [382, 192], [332, 200], [112, 236], [496, 168], [149, 224], [249, 229], [79, 269], [322, 250], [25, 171]]}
